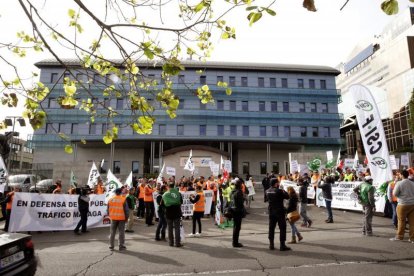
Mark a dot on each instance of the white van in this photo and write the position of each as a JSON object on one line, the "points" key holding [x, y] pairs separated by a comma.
{"points": [[23, 181]]}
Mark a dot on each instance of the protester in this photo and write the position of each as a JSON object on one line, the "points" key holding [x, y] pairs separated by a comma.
{"points": [[162, 222], [198, 210], [99, 189], [365, 192], [9, 203], [292, 207], [303, 199], [277, 213], [130, 199], [172, 200], [83, 207], [326, 187], [392, 199], [237, 199], [58, 189], [141, 203], [404, 191], [266, 184], [118, 213], [149, 203]]}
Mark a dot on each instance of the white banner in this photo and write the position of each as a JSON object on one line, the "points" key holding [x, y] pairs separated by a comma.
{"points": [[93, 176], [343, 197], [227, 166], [171, 171], [250, 187], [50, 212], [372, 133], [348, 163], [286, 183], [294, 166], [218, 216], [329, 156], [405, 160]]}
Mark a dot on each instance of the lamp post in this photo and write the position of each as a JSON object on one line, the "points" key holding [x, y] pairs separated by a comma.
{"points": [[11, 121]]}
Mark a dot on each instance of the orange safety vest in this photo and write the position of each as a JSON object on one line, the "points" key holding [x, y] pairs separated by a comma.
{"points": [[10, 203], [99, 190], [116, 207], [148, 194], [141, 192], [394, 198], [199, 205], [183, 189], [243, 188]]}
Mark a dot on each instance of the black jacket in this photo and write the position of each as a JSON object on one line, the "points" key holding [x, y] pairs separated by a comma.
{"points": [[275, 197], [237, 200], [303, 193], [293, 204], [83, 205], [326, 187], [174, 211]]}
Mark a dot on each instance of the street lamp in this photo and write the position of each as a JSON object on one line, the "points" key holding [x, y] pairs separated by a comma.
{"points": [[11, 121]]}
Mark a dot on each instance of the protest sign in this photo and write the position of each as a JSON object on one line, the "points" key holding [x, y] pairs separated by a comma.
{"points": [[405, 160], [227, 166], [294, 166], [171, 171], [250, 188], [349, 163], [329, 156], [286, 183], [50, 212]]}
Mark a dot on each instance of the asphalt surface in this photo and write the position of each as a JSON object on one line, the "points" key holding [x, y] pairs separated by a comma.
{"points": [[327, 249]]}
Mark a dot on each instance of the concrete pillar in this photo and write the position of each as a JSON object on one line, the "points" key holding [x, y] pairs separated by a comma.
{"points": [[268, 158]]}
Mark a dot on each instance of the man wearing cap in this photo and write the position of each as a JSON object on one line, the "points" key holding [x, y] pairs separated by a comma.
{"points": [[365, 192], [118, 213]]}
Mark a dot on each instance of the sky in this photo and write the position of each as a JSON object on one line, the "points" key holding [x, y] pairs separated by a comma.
{"points": [[293, 36]]}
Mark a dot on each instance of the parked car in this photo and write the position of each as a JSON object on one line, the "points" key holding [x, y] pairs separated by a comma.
{"points": [[17, 254], [23, 181], [42, 186]]}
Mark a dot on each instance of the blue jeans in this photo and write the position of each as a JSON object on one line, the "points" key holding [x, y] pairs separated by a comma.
{"points": [[394, 213], [328, 204], [294, 229]]}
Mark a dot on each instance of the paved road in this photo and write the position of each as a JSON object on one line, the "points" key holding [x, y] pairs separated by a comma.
{"points": [[327, 249]]}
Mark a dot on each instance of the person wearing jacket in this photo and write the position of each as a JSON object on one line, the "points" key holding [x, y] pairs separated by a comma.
{"points": [[130, 199], [393, 200], [293, 206], [326, 187], [83, 207], [303, 199], [173, 200], [198, 210], [365, 192], [277, 213], [149, 203], [118, 213], [237, 203], [162, 222]]}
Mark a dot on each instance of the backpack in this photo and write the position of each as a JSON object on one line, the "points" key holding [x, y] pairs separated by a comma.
{"points": [[171, 198]]}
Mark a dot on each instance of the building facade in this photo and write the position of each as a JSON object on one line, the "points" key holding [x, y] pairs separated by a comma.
{"points": [[385, 62], [274, 109]]}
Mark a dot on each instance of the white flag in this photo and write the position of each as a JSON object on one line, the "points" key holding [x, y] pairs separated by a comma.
{"points": [[3, 171], [93, 176], [112, 184], [102, 162], [356, 160], [221, 162], [372, 133], [73, 181], [128, 181], [159, 178], [338, 160], [189, 165]]}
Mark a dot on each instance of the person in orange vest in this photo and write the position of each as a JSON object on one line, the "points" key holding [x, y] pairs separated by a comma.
{"points": [[141, 203], [149, 203], [118, 213], [393, 199], [100, 189], [9, 203], [198, 210]]}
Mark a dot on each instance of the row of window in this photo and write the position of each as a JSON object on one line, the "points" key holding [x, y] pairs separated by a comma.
{"points": [[261, 81], [52, 103], [116, 167], [262, 167], [162, 128]]}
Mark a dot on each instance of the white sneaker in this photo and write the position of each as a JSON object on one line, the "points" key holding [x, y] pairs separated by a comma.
{"points": [[395, 239], [410, 240], [191, 235], [198, 234]]}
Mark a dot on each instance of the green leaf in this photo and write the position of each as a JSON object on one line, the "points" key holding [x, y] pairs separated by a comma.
{"points": [[69, 149], [71, 13], [251, 8], [270, 11], [254, 17], [228, 91], [70, 89], [390, 7], [199, 6], [107, 138]]}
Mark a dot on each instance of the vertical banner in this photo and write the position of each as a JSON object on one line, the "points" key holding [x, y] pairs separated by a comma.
{"points": [[93, 176], [372, 133], [112, 184]]}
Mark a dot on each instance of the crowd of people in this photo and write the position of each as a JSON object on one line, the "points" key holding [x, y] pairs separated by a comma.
{"points": [[284, 206]]}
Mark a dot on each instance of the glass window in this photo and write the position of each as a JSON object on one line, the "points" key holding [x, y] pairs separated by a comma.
{"points": [[233, 131], [260, 82], [302, 107], [232, 81], [313, 107], [245, 130], [80, 77], [323, 84], [135, 166], [285, 106], [220, 130], [312, 84], [106, 103], [220, 105], [92, 129], [54, 77], [98, 79], [203, 130], [263, 167], [61, 127], [49, 128], [324, 108], [203, 79], [272, 82], [52, 103], [300, 83], [180, 130], [302, 131], [220, 79], [275, 167], [245, 106], [119, 103], [326, 132], [104, 167], [74, 128], [232, 105], [315, 132], [246, 169], [286, 131], [162, 129], [117, 167], [181, 105], [275, 131], [284, 83], [263, 131], [244, 81], [273, 106], [202, 106], [181, 79], [104, 128], [262, 106]]}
